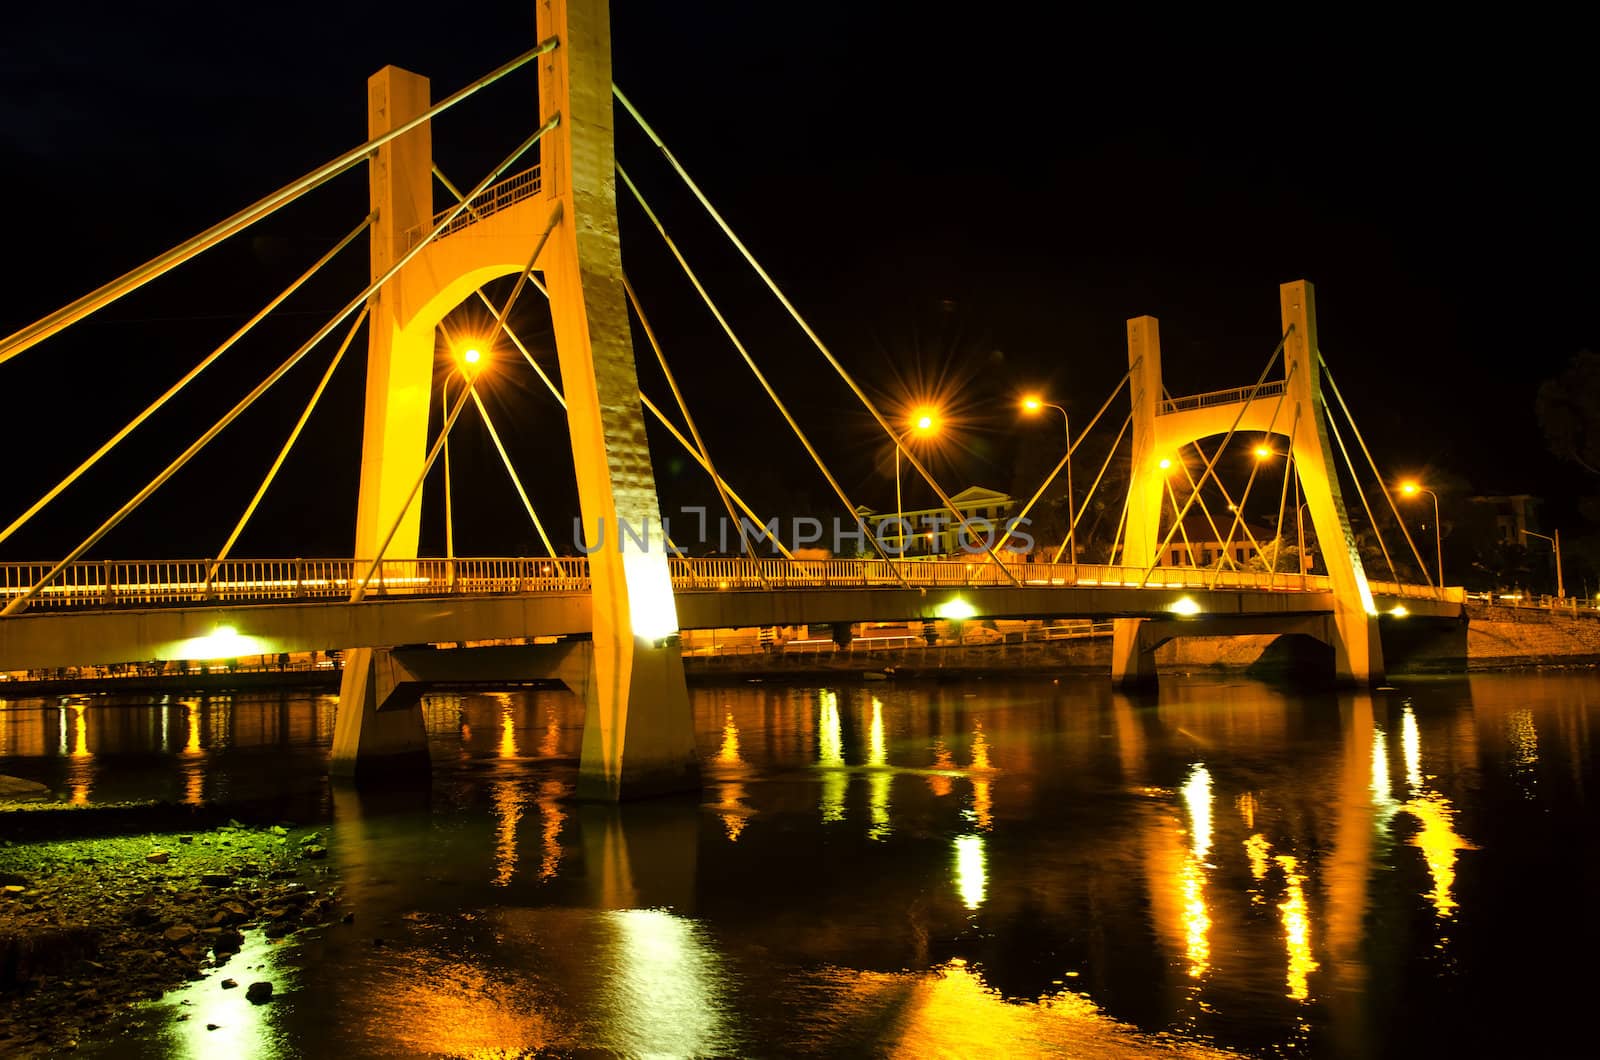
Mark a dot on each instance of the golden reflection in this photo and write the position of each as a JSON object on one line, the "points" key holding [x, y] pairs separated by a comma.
{"points": [[1380, 769], [194, 786], [1247, 810], [78, 771], [508, 731], [830, 757], [729, 751], [879, 779], [1438, 841], [1257, 849], [950, 1011], [550, 746], [982, 802], [507, 813], [1192, 877], [1411, 748], [972, 877], [1296, 928], [1524, 740], [550, 837], [945, 763], [663, 986]]}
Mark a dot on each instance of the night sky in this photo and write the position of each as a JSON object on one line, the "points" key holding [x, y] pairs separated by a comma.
{"points": [[965, 200]]}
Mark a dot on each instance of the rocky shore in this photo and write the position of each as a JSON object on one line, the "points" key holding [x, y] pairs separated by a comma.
{"points": [[90, 927]]}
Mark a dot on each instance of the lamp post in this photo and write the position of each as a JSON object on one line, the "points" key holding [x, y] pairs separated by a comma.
{"points": [[1032, 404], [1555, 541], [925, 421], [1411, 489]]}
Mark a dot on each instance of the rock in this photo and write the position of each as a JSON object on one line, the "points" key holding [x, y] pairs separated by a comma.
{"points": [[227, 941], [156, 857], [179, 933], [14, 888], [12, 879], [258, 993], [212, 1026], [314, 851], [348, 918], [277, 929], [15, 789], [186, 839], [215, 879], [313, 837], [230, 984], [192, 951], [278, 829]]}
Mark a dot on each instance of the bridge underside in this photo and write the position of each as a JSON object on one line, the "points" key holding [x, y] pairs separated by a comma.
{"points": [[45, 640]]}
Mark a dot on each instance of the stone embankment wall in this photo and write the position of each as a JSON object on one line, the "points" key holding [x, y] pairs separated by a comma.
{"points": [[1500, 637]]}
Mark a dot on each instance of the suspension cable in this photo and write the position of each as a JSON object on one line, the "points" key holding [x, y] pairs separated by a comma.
{"points": [[116, 439], [1244, 498], [1205, 509], [450, 421], [1327, 373], [19, 602], [694, 431], [516, 481], [1283, 499], [760, 378], [1178, 518], [1128, 419], [816, 340], [1333, 429], [1071, 448], [1212, 463], [42, 329], [283, 454]]}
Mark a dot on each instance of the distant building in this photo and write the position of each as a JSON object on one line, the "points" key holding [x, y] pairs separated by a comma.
{"points": [[934, 531], [1512, 514]]}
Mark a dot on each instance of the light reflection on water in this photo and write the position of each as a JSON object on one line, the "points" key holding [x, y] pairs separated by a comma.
{"points": [[912, 869]]}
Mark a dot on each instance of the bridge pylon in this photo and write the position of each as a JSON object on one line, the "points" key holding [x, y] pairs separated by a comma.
{"points": [[638, 727], [1292, 408]]}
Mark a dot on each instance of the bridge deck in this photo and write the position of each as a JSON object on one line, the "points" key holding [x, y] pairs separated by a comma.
{"points": [[260, 607]]}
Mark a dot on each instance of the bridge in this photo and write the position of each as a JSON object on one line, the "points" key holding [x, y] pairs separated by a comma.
{"points": [[615, 613]]}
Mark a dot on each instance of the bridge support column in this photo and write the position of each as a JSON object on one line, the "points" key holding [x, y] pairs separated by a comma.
{"points": [[377, 734], [1133, 666], [1357, 648], [638, 736]]}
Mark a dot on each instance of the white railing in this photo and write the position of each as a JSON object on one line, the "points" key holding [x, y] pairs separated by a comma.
{"points": [[1222, 397], [1453, 594], [493, 198]]}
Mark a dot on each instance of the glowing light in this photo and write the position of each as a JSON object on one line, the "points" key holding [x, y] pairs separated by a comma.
{"points": [[1165, 464], [508, 732], [1184, 605], [224, 642], [939, 783], [1197, 799], [956, 609], [508, 814], [1263, 452], [653, 612], [972, 874], [729, 751], [471, 356], [1399, 611], [1296, 929], [1409, 488], [1032, 403], [925, 420], [550, 835]]}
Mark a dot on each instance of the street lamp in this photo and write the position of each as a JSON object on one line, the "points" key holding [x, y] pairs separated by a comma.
{"points": [[1411, 489], [1561, 588], [924, 421], [1032, 404]]}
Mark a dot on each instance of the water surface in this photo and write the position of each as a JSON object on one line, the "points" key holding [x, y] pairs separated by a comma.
{"points": [[967, 869]]}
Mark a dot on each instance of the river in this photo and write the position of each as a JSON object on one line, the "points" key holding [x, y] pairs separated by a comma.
{"points": [[997, 867]]}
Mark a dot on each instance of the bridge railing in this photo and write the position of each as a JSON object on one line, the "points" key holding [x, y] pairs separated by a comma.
{"points": [[1454, 594], [115, 583], [1235, 396], [492, 199]]}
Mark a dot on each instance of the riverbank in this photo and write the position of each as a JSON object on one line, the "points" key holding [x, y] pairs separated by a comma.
{"points": [[90, 927]]}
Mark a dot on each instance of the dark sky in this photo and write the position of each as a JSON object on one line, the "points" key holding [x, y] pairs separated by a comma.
{"points": [[968, 199]]}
